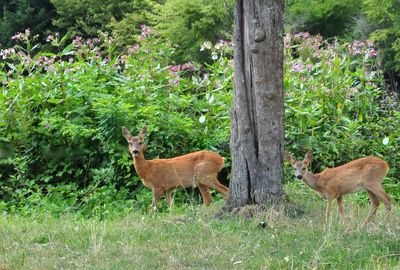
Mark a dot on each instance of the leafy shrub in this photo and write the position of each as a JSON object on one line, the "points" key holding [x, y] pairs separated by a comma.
{"points": [[336, 103], [328, 18], [61, 114], [188, 23], [386, 21]]}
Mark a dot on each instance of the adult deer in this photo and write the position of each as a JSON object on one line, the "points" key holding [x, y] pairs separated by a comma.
{"points": [[164, 175], [332, 183]]}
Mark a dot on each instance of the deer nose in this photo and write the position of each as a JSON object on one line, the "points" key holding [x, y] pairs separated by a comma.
{"points": [[299, 176], [135, 152]]}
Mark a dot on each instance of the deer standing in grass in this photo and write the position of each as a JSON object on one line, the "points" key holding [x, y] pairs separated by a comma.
{"points": [[164, 175], [332, 183]]}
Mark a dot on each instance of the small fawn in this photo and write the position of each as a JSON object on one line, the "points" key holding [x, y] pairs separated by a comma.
{"points": [[332, 183], [164, 175]]}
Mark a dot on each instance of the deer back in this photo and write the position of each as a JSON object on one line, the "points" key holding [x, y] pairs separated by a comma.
{"points": [[353, 176], [182, 171]]}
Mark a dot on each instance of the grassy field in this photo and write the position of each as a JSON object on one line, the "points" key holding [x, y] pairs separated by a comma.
{"points": [[191, 238]]}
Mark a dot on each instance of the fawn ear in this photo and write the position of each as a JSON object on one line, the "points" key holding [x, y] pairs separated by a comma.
{"points": [[126, 133], [143, 132], [308, 157], [289, 157]]}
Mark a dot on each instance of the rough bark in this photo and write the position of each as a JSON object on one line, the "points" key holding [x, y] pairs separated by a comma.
{"points": [[257, 115]]}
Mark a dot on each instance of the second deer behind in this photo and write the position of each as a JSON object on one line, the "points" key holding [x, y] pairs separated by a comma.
{"points": [[164, 175]]}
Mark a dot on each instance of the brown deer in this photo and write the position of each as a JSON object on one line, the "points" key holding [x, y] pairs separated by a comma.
{"points": [[332, 183], [164, 175]]}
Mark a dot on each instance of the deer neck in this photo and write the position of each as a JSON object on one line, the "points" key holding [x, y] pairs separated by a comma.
{"points": [[140, 165], [311, 180]]}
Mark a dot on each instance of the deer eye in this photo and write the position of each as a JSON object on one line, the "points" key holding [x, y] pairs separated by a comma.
{"points": [[303, 168]]}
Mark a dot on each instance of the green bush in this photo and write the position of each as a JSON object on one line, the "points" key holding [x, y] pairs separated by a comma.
{"points": [[386, 22], [187, 24], [336, 104], [61, 115], [328, 18]]}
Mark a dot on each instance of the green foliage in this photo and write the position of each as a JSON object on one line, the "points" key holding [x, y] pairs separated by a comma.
{"points": [[386, 20], [61, 114], [121, 19], [18, 15], [189, 23], [335, 104], [328, 18]]}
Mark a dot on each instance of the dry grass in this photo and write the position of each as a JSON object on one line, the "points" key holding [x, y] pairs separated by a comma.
{"points": [[193, 239]]}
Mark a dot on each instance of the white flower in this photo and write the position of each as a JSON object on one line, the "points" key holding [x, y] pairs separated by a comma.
{"points": [[286, 259], [202, 119], [385, 140], [207, 45]]}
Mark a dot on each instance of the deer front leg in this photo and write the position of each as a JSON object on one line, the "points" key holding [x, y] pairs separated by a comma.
{"points": [[157, 193], [168, 197], [327, 213], [341, 211]]}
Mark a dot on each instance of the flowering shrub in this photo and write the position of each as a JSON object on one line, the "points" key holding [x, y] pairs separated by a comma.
{"points": [[61, 113], [336, 103]]}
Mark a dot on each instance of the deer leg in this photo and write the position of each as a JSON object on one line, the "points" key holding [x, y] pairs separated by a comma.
{"points": [[341, 210], [386, 200], [205, 193], [157, 193], [168, 197], [220, 187], [374, 200], [327, 213], [384, 197]]}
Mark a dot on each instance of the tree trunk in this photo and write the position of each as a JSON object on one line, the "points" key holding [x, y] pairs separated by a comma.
{"points": [[257, 115]]}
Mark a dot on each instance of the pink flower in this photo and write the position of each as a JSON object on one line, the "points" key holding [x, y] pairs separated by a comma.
{"points": [[50, 38], [173, 82], [16, 37], [298, 67], [134, 49], [77, 41], [187, 66], [174, 68], [372, 53]]}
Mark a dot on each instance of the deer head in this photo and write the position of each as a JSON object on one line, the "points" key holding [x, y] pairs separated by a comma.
{"points": [[300, 167], [136, 145]]}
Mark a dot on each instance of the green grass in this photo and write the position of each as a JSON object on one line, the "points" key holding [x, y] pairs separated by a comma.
{"points": [[191, 238]]}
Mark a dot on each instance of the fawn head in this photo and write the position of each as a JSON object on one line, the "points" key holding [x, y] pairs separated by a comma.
{"points": [[136, 145], [300, 167]]}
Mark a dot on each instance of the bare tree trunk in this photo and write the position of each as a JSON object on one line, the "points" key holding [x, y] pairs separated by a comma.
{"points": [[257, 135]]}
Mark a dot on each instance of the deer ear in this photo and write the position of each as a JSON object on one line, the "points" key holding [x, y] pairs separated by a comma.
{"points": [[289, 157], [144, 147], [126, 133], [308, 157], [143, 132]]}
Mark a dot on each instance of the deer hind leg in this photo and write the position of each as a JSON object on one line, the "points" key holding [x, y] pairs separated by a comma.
{"points": [[381, 194], [374, 206], [219, 187], [205, 193]]}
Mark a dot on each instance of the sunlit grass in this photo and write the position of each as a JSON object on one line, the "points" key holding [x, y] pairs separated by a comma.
{"points": [[192, 238]]}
